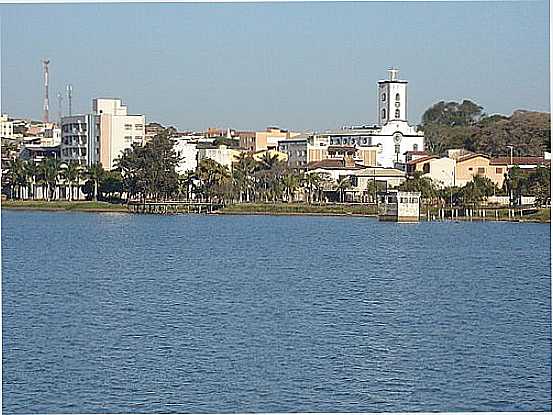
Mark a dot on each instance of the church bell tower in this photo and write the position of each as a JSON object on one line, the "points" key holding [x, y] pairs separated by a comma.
{"points": [[392, 99]]}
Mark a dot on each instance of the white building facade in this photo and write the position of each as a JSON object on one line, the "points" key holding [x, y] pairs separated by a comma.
{"points": [[6, 127], [118, 129], [187, 152], [80, 139], [391, 137]]}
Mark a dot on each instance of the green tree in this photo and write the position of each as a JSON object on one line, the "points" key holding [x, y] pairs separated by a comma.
{"points": [[539, 185], [515, 183], [72, 174], [477, 190], [243, 172], [95, 173], [290, 183], [311, 181], [344, 183], [213, 177], [50, 170], [32, 170]]}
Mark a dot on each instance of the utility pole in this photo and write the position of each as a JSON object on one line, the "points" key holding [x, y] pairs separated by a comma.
{"points": [[45, 107], [69, 97], [511, 148]]}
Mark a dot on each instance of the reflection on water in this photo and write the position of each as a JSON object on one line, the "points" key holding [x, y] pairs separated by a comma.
{"points": [[122, 313]]}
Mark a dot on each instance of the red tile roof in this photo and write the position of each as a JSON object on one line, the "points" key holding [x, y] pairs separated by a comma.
{"points": [[420, 160], [519, 160], [471, 156]]}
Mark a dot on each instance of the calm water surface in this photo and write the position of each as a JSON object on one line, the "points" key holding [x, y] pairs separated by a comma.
{"points": [[119, 313]]}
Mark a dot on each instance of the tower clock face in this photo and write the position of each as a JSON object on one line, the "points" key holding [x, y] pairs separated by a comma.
{"points": [[397, 138]]}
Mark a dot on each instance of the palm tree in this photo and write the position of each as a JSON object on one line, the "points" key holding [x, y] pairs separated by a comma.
{"points": [[311, 181], [243, 171], [268, 161], [20, 175], [343, 184], [95, 173], [32, 173], [72, 173], [290, 183], [10, 177], [50, 171], [212, 176]]}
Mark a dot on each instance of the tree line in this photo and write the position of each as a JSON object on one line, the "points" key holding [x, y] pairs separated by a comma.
{"points": [[465, 125]]}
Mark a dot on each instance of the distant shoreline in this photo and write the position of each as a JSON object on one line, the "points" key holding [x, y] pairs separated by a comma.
{"points": [[279, 209]]}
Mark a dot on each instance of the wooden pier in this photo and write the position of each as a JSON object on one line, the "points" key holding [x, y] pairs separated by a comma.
{"points": [[173, 207]]}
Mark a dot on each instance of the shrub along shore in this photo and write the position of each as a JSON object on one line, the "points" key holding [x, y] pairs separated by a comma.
{"points": [[543, 215]]}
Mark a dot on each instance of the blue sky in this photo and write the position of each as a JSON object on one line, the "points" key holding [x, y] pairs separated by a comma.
{"points": [[296, 65]]}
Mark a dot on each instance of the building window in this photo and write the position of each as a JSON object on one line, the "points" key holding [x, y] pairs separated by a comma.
{"points": [[383, 113], [397, 148], [383, 97], [128, 126], [426, 168], [415, 147], [128, 138], [397, 97], [397, 104], [138, 126], [138, 137], [498, 170], [397, 113], [481, 170], [470, 168]]}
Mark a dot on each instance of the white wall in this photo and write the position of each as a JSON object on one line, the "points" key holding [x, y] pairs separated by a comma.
{"points": [[442, 171], [187, 153]]}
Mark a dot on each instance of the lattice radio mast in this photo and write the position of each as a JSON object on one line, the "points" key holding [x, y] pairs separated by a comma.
{"points": [[46, 106]]}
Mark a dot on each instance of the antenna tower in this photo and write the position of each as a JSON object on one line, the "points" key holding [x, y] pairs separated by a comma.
{"points": [[45, 107], [69, 97], [60, 108]]}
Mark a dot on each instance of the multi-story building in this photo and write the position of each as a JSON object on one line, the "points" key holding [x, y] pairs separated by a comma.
{"points": [[246, 139], [80, 139], [222, 154], [6, 127], [304, 149], [264, 140], [118, 129], [101, 136]]}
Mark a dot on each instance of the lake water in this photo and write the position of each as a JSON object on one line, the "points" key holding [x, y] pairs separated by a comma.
{"points": [[120, 313]]}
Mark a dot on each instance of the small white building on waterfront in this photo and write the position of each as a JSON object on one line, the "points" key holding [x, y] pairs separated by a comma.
{"points": [[399, 206]]}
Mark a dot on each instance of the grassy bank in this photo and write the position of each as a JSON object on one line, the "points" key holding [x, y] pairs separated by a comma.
{"points": [[63, 205], [298, 208]]}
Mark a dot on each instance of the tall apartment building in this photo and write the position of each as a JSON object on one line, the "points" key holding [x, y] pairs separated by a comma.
{"points": [[80, 139], [118, 129], [102, 135]]}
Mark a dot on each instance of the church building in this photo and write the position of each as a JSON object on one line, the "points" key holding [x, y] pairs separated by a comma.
{"points": [[383, 144], [392, 136]]}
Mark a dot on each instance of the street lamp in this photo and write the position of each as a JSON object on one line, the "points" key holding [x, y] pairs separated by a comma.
{"points": [[508, 169]]}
